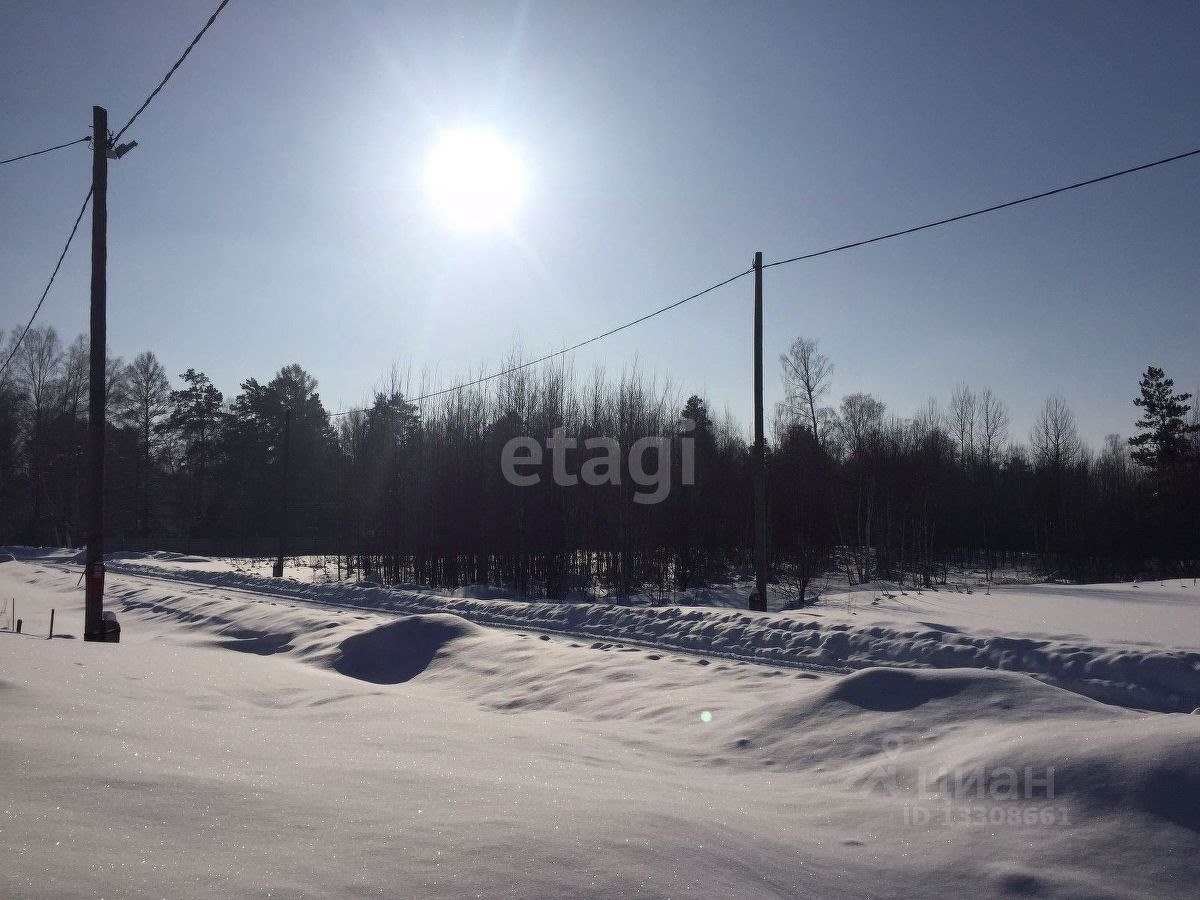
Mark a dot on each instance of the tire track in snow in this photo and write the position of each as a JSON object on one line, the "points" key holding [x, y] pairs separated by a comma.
{"points": [[409, 605], [1147, 678]]}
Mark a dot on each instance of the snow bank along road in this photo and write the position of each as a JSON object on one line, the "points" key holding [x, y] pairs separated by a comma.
{"points": [[402, 753], [1142, 676]]}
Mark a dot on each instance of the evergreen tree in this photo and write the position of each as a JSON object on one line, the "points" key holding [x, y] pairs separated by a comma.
{"points": [[693, 538], [251, 457], [195, 422], [1166, 436]]}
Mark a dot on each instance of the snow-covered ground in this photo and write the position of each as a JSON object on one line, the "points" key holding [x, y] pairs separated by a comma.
{"points": [[1125, 644], [374, 742]]}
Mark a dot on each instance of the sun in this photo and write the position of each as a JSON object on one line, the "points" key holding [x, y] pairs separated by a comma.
{"points": [[475, 180]]}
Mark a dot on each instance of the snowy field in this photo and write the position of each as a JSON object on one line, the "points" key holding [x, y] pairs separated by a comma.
{"points": [[1137, 645], [257, 738]]}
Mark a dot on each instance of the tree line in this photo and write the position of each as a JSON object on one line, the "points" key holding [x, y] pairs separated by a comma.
{"points": [[413, 492]]}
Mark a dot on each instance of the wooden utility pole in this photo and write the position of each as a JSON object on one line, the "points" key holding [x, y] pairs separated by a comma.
{"points": [[760, 449], [93, 604], [283, 493]]}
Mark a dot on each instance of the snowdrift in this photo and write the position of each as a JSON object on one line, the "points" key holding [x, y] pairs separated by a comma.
{"points": [[964, 734], [346, 752], [400, 651], [1160, 679], [941, 735]]}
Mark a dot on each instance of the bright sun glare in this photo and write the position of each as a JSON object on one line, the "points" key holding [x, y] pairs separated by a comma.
{"points": [[475, 179]]}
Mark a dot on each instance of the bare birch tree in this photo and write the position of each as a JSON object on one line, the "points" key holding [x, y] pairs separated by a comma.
{"points": [[806, 376]]}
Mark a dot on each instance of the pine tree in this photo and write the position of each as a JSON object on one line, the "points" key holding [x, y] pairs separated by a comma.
{"points": [[195, 422], [1166, 436]]}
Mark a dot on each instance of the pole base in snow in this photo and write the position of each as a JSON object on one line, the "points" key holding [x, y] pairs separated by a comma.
{"points": [[110, 630]]}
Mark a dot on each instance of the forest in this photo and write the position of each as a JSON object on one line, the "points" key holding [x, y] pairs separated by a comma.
{"points": [[412, 491]]}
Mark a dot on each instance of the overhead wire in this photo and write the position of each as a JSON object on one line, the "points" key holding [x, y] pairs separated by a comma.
{"points": [[42, 299], [804, 256], [171, 71], [980, 212], [4, 162], [114, 139], [566, 350]]}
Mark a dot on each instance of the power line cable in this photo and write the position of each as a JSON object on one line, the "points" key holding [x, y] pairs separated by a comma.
{"points": [[783, 262], [79, 218], [988, 209], [171, 71], [566, 350], [42, 299], [4, 162]]}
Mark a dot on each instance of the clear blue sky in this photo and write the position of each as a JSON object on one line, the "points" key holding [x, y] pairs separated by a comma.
{"points": [[273, 212]]}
